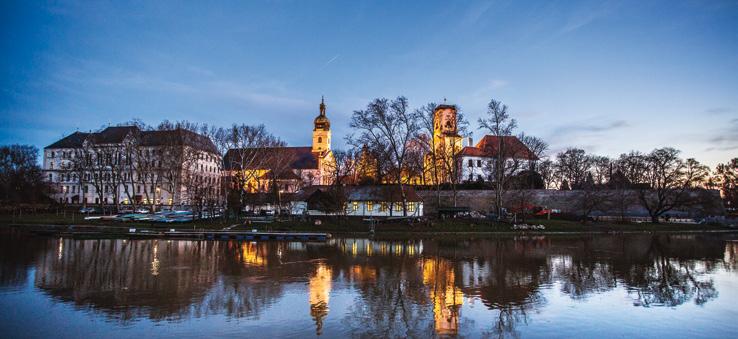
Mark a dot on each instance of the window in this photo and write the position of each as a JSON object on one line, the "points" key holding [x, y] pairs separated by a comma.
{"points": [[398, 207], [355, 205], [479, 163], [471, 163], [51, 177], [411, 207], [369, 205], [320, 139], [383, 207]]}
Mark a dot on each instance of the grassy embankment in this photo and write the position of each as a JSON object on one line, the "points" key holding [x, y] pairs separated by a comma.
{"points": [[353, 225]]}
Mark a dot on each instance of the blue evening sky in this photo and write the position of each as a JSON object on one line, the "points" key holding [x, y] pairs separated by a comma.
{"points": [[608, 77]]}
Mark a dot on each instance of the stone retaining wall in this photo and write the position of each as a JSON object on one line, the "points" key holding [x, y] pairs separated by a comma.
{"points": [[567, 201]]}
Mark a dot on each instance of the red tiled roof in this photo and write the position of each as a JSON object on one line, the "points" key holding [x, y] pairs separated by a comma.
{"points": [[489, 146]]}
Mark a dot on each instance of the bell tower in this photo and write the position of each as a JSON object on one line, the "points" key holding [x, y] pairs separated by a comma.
{"points": [[322, 131]]}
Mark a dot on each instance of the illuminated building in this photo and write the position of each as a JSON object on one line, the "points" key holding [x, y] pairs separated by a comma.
{"points": [[288, 167]]}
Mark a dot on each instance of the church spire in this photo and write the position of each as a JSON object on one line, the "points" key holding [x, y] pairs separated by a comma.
{"points": [[322, 106]]}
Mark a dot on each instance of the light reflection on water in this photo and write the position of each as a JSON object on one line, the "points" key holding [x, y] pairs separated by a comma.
{"points": [[541, 286]]}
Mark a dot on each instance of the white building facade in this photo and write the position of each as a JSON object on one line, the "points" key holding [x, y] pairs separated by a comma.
{"points": [[125, 165], [476, 162]]}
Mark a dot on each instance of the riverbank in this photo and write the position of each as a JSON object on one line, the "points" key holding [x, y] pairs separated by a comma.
{"points": [[356, 226]]}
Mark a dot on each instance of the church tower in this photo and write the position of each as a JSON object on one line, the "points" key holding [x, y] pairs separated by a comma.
{"points": [[322, 131], [447, 144]]}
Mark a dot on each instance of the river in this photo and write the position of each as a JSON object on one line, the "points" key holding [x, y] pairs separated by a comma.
{"points": [[633, 285]]}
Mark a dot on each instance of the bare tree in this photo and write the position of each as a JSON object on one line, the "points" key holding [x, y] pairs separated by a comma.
{"points": [[21, 178], [499, 123], [425, 116], [573, 166], [278, 165], [79, 166], [632, 167], [342, 166], [726, 178], [546, 170], [342, 169], [537, 147], [388, 127], [601, 168], [244, 147], [665, 174], [695, 173]]}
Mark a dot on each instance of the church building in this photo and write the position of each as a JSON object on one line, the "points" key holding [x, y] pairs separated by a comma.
{"points": [[289, 168]]}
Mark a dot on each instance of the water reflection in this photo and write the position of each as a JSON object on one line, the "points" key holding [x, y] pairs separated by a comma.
{"points": [[395, 288], [440, 278], [319, 289]]}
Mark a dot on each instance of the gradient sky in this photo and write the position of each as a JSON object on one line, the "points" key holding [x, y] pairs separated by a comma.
{"points": [[608, 77]]}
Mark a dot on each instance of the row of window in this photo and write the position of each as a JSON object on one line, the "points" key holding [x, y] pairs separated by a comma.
{"points": [[67, 177], [384, 206], [470, 163], [67, 189]]}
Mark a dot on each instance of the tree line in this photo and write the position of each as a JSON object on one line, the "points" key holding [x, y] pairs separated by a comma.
{"points": [[390, 143]]}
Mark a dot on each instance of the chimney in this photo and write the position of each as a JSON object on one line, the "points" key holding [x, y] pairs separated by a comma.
{"points": [[471, 142]]}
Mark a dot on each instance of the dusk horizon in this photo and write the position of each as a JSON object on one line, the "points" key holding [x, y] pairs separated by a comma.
{"points": [[369, 169], [608, 77]]}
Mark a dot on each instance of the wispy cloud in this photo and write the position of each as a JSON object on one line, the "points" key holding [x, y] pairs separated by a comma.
{"points": [[719, 110], [591, 128], [724, 139], [585, 16], [475, 12]]}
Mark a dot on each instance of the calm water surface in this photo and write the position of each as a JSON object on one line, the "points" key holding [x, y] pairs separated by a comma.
{"points": [[541, 286]]}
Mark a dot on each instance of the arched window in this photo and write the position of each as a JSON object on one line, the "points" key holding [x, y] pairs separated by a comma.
{"points": [[320, 139]]}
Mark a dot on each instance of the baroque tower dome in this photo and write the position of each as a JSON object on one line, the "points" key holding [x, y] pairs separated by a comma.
{"points": [[321, 121]]}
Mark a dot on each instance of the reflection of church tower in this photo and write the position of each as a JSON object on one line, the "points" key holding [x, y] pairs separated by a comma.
{"points": [[322, 131], [439, 276], [319, 289]]}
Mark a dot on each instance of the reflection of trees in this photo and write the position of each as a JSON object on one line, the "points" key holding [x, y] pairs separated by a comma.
{"points": [[670, 278], [507, 277], [656, 269], [412, 288], [17, 253], [393, 302], [129, 279]]}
